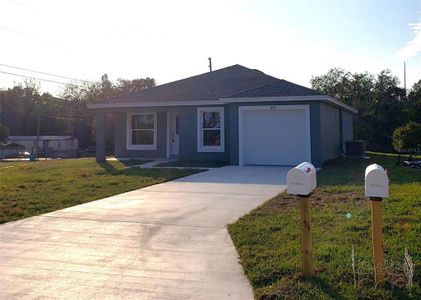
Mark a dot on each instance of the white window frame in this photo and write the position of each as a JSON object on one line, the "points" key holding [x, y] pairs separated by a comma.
{"points": [[129, 145], [200, 146]]}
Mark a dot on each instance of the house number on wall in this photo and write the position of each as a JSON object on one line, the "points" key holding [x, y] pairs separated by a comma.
{"points": [[273, 107]]}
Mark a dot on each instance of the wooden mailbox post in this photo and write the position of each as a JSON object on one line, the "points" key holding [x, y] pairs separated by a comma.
{"points": [[377, 188], [306, 243], [301, 181]]}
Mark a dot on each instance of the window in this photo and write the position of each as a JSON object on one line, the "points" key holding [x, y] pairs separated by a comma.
{"points": [[141, 131], [210, 129]]}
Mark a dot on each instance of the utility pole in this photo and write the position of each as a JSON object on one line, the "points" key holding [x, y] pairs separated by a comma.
{"points": [[39, 107], [404, 77], [38, 130]]}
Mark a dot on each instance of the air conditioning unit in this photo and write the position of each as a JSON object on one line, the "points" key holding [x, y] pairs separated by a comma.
{"points": [[355, 148]]}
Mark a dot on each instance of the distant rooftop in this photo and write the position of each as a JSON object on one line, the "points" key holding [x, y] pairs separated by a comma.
{"points": [[15, 138]]}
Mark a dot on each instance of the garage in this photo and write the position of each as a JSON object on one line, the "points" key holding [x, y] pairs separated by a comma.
{"points": [[274, 135]]}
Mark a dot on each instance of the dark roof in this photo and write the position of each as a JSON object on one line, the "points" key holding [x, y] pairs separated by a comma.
{"points": [[11, 146], [278, 88], [233, 81], [18, 138]]}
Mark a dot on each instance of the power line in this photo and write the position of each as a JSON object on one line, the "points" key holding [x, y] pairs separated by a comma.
{"points": [[49, 103], [32, 77], [43, 73], [29, 35]]}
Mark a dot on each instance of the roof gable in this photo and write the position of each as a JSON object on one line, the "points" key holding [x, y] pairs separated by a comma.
{"points": [[233, 81]]}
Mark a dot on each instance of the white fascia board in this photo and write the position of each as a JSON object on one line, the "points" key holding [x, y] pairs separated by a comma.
{"points": [[275, 99], [223, 101], [289, 98]]}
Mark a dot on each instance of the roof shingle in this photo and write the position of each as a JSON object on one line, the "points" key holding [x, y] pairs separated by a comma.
{"points": [[234, 81]]}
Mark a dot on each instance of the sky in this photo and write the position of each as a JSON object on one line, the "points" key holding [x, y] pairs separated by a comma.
{"points": [[170, 40]]}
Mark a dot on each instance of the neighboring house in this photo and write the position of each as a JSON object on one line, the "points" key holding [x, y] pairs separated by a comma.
{"points": [[234, 114], [10, 150], [51, 145]]}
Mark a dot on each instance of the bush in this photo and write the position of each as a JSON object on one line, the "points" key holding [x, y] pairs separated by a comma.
{"points": [[407, 138], [4, 133]]}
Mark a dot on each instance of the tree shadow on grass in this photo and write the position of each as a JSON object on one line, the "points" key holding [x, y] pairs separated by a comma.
{"points": [[134, 162], [166, 174], [110, 168], [328, 288]]}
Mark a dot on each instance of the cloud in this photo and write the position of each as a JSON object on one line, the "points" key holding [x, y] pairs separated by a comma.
{"points": [[413, 47]]}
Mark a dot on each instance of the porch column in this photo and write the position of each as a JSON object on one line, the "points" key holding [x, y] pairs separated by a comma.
{"points": [[101, 124]]}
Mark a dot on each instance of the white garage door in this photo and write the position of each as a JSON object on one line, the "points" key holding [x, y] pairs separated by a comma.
{"points": [[274, 135]]}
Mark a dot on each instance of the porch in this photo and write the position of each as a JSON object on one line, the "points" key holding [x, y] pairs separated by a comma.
{"points": [[147, 133]]}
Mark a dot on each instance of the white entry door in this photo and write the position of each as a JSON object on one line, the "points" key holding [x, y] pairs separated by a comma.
{"points": [[174, 134], [274, 135]]}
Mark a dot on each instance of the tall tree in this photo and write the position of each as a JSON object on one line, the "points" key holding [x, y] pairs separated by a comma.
{"points": [[21, 106], [4, 133], [414, 103], [378, 98], [79, 95]]}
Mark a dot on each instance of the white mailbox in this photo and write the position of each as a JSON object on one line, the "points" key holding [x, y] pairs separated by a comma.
{"points": [[376, 182], [301, 180]]}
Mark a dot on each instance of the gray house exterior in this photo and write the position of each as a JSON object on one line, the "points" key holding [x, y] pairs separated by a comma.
{"points": [[235, 114]]}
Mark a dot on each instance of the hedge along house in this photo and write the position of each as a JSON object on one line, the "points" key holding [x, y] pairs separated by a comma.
{"points": [[235, 114]]}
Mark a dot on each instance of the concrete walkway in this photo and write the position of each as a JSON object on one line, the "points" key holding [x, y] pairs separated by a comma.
{"points": [[167, 241]]}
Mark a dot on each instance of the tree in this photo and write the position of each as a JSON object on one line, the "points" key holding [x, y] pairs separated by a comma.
{"points": [[414, 103], [21, 105], [378, 98], [4, 133], [407, 138], [78, 95], [98, 91], [124, 86]]}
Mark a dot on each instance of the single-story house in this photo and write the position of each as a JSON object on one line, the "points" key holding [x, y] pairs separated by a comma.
{"points": [[10, 150], [53, 145], [234, 114]]}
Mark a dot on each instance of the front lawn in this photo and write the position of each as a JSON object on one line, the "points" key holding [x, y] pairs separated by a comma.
{"points": [[268, 239], [33, 188]]}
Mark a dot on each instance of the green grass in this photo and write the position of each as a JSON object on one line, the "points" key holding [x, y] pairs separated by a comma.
{"points": [[32, 188], [194, 164], [268, 239]]}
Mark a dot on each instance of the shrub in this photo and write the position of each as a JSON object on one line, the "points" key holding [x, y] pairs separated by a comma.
{"points": [[407, 138]]}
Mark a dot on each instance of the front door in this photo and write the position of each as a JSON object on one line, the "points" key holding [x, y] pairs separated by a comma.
{"points": [[174, 134]]}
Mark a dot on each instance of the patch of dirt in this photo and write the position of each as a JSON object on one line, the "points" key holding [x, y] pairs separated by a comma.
{"points": [[318, 199]]}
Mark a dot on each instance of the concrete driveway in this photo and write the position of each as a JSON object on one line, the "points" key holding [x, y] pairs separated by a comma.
{"points": [[167, 241]]}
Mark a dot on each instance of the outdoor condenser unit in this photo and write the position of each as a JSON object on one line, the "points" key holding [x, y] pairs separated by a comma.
{"points": [[355, 148]]}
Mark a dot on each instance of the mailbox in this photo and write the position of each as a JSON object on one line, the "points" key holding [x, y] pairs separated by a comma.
{"points": [[301, 180], [376, 182]]}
